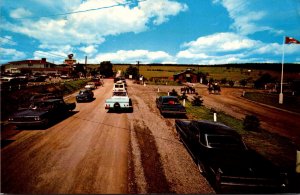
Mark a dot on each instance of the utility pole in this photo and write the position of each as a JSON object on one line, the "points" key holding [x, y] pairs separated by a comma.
{"points": [[138, 65]]}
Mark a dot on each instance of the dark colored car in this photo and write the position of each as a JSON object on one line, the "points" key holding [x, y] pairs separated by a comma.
{"points": [[40, 113], [225, 160], [85, 95], [170, 105]]}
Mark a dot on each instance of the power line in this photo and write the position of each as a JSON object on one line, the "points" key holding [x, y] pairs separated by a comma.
{"points": [[49, 53], [81, 11]]}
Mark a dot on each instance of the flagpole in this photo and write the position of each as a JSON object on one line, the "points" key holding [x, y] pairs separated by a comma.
{"points": [[281, 81]]}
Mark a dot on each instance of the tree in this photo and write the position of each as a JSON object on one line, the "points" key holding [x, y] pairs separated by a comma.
{"points": [[251, 123], [131, 70], [106, 69], [264, 79], [243, 82]]}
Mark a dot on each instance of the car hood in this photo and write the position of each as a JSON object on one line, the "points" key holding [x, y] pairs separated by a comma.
{"points": [[30, 112], [245, 163]]}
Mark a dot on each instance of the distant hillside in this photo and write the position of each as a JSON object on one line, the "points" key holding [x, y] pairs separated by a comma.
{"points": [[290, 67]]}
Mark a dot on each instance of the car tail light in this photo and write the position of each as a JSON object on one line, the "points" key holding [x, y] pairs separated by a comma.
{"points": [[106, 106]]}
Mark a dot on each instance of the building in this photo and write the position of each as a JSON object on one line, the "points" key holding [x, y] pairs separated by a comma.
{"points": [[186, 76], [33, 66]]}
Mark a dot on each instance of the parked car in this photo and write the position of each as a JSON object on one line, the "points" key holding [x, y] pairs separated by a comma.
{"points": [[41, 112], [225, 160], [170, 105], [90, 85], [97, 81], [119, 101], [85, 95]]}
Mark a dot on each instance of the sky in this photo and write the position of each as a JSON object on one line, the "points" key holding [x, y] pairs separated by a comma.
{"points": [[150, 31]]}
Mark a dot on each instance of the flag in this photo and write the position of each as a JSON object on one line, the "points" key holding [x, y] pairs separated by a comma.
{"points": [[291, 40]]}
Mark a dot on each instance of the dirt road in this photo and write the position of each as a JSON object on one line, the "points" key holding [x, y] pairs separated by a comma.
{"points": [[93, 151]]}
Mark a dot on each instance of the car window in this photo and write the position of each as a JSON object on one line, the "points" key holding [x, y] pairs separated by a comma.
{"points": [[224, 142], [170, 101]]}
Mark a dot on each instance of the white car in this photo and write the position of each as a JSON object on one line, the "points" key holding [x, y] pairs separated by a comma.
{"points": [[90, 85], [119, 101]]}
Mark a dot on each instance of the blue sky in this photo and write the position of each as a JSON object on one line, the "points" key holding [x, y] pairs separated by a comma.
{"points": [[150, 31]]}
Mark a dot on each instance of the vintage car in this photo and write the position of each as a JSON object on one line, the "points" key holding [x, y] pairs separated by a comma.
{"points": [[97, 81], [225, 160], [41, 112], [170, 105], [90, 85], [119, 86], [85, 95], [119, 101]]}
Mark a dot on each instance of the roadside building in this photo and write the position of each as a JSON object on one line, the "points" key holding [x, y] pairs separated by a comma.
{"points": [[186, 76], [33, 66]]}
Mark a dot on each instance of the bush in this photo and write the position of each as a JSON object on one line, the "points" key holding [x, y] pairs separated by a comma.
{"points": [[251, 123], [183, 97], [173, 93], [197, 101]]}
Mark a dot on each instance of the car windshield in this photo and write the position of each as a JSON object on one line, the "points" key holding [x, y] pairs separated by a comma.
{"points": [[119, 86], [41, 105], [224, 142], [170, 101]]}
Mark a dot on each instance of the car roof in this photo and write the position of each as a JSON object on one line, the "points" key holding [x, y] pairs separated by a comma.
{"points": [[49, 100], [166, 97], [209, 127]]}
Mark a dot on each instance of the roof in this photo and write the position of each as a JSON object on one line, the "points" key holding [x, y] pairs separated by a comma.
{"points": [[42, 61], [189, 71], [210, 127]]}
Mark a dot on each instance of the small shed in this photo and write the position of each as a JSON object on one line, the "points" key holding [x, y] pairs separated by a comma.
{"points": [[186, 76]]}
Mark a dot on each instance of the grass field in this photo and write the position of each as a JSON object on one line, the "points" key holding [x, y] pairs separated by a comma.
{"points": [[215, 72]]}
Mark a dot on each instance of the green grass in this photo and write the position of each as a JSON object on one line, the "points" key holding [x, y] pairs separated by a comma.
{"points": [[203, 113], [215, 72], [291, 103]]}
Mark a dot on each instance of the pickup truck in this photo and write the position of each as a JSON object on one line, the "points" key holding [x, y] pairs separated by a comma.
{"points": [[119, 101], [41, 112], [222, 156]]}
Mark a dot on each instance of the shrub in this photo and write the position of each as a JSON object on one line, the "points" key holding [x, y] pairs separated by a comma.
{"points": [[251, 123], [183, 97], [197, 101], [173, 93]]}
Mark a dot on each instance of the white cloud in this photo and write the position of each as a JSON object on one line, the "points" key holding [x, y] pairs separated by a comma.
{"points": [[7, 40], [131, 56], [220, 42], [91, 49], [20, 13], [250, 16], [157, 9], [90, 28], [11, 54], [230, 48]]}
